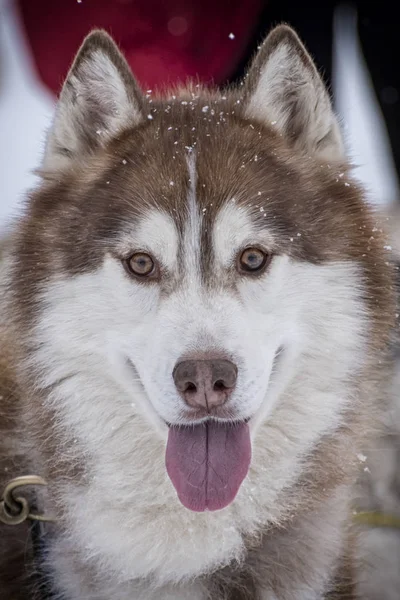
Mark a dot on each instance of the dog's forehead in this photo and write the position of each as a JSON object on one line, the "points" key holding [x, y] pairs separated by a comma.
{"points": [[201, 173], [191, 224], [220, 149]]}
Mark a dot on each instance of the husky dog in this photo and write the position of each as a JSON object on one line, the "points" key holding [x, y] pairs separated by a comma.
{"points": [[196, 312]]}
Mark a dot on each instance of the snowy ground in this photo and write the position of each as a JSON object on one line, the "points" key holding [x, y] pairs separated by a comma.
{"points": [[26, 109]]}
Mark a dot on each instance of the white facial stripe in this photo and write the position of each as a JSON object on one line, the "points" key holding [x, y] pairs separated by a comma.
{"points": [[191, 238], [156, 233]]}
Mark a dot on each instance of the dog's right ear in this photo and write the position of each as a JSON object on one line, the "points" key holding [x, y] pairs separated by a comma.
{"points": [[100, 98]]}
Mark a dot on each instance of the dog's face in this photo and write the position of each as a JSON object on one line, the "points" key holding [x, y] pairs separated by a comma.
{"points": [[197, 254], [194, 255]]}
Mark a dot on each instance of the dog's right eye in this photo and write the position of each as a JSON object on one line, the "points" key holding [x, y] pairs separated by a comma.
{"points": [[141, 264]]}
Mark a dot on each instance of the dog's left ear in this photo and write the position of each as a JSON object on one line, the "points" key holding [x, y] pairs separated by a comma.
{"points": [[99, 99], [284, 89]]}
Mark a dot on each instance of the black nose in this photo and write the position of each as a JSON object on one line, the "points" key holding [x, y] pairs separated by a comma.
{"points": [[205, 383]]}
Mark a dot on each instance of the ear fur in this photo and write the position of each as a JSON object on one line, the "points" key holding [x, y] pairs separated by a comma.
{"points": [[283, 88], [99, 98]]}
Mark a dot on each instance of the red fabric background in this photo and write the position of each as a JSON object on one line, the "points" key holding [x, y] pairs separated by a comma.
{"points": [[164, 41]]}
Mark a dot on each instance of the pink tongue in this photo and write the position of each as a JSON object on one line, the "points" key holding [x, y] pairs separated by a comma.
{"points": [[207, 463]]}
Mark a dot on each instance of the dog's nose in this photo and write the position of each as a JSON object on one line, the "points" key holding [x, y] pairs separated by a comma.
{"points": [[205, 383]]}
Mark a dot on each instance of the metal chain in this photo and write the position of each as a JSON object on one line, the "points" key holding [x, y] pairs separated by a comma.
{"points": [[14, 510]]}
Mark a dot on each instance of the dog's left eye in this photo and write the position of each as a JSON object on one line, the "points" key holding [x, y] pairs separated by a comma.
{"points": [[253, 260], [141, 264]]}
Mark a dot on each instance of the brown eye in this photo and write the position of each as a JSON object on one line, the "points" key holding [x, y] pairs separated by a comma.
{"points": [[253, 260], [141, 264]]}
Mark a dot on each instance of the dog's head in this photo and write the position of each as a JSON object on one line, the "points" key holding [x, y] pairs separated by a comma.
{"points": [[202, 260]]}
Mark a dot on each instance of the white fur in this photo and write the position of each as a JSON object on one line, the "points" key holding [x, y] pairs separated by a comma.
{"points": [[233, 230], [93, 323], [155, 233], [308, 581], [191, 239]]}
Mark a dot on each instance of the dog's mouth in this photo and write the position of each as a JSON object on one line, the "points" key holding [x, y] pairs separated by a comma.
{"points": [[208, 462], [208, 458]]}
